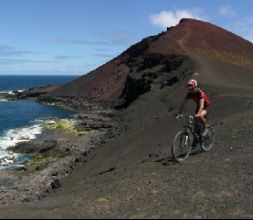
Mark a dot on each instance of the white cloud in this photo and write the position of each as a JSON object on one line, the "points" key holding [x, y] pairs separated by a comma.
{"points": [[77, 42], [166, 19], [66, 57], [227, 11], [7, 61], [116, 38], [9, 51], [100, 39]]}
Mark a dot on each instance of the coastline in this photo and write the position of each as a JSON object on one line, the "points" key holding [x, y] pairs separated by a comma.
{"points": [[54, 154]]}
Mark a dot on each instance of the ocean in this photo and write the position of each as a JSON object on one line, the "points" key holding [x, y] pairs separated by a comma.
{"points": [[22, 120]]}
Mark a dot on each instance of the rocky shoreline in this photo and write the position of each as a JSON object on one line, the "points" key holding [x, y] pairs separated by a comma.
{"points": [[58, 150], [33, 92]]}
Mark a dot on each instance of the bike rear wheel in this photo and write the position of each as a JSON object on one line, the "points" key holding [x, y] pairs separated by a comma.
{"points": [[207, 141], [181, 147]]}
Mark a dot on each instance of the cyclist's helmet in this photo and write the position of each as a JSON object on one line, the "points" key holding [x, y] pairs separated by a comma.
{"points": [[192, 85]]}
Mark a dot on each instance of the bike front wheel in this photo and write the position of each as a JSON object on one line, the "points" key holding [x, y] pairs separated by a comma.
{"points": [[181, 147], [207, 141]]}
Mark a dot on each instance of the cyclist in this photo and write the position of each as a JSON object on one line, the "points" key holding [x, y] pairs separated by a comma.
{"points": [[201, 100]]}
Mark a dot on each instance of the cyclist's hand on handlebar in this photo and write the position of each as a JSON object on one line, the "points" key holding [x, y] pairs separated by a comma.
{"points": [[178, 116]]}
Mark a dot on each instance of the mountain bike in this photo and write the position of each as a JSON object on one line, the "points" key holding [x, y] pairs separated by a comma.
{"points": [[192, 131]]}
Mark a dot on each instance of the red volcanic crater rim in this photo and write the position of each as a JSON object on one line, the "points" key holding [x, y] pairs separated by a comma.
{"points": [[191, 34], [187, 38]]}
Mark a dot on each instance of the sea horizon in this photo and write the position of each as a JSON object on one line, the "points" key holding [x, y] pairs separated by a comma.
{"points": [[22, 82]]}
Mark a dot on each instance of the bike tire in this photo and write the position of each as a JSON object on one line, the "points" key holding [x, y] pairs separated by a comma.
{"points": [[207, 142], [182, 141]]}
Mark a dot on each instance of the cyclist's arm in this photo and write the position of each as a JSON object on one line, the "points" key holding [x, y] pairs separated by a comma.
{"points": [[201, 106], [181, 109]]}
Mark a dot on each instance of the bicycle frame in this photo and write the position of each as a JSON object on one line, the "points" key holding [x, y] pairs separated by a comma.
{"points": [[182, 142], [192, 125]]}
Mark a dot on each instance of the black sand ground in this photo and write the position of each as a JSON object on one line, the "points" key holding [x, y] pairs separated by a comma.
{"points": [[133, 175]]}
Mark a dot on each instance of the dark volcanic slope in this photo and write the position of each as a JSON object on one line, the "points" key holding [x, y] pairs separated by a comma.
{"points": [[133, 175], [170, 56]]}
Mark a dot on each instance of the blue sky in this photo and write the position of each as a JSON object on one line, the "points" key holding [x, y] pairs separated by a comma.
{"points": [[73, 37]]}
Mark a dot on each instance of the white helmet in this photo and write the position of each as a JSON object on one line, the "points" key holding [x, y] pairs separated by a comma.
{"points": [[192, 84]]}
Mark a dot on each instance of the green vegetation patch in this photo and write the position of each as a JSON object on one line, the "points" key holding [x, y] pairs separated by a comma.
{"points": [[38, 162], [102, 200], [66, 125]]}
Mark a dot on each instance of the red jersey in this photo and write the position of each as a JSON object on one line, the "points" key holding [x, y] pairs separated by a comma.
{"points": [[197, 96]]}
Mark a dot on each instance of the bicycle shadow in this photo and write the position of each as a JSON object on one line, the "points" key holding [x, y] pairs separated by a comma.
{"points": [[196, 152], [166, 161], [156, 158], [170, 161]]}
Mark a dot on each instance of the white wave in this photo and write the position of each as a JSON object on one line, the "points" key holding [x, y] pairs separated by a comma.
{"points": [[12, 138], [47, 121], [15, 136], [11, 92], [4, 100], [4, 92], [37, 121]]}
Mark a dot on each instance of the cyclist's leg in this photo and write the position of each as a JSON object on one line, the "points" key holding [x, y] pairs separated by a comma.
{"points": [[197, 131], [204, 114], [202, 118], [198, 124], [201, 122]]}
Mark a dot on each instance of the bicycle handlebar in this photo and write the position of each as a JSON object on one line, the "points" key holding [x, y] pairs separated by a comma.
{"points": [[179, 116]]}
